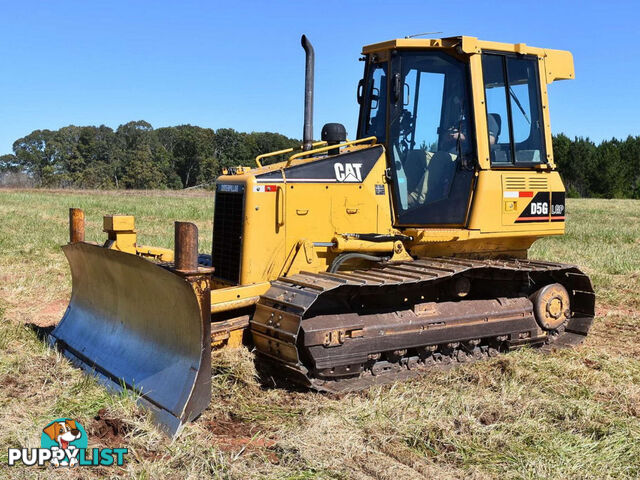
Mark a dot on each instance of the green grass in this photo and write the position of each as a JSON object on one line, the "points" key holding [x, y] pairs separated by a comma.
{"points": [[571, 414]]}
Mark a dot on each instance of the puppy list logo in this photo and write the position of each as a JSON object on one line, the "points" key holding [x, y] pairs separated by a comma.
{"points": [[64, 443]]}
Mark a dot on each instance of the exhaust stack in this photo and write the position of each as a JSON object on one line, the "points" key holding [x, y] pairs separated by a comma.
{"points": [[307, 137]]}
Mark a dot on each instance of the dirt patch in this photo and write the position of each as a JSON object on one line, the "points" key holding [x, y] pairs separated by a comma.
{"points": [[592, 364], [109, 429], [229, 428], [5, 279], [112, 432], [490, 417], [50, 314], [12, 387], [621, 310], [241, 437], [616, 330]]}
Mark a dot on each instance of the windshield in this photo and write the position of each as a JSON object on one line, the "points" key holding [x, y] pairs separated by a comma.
{"points": [[432, 111]]}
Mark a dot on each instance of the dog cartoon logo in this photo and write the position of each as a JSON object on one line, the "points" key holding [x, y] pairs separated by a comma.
{"points": [[66, 435], [63, 443]]}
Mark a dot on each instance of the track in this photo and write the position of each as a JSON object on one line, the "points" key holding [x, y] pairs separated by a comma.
{"points": [[347, 331]]}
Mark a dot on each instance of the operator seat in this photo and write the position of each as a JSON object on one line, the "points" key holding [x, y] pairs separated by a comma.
{"points": [[415, 167], [494, 124], [441, 172]]}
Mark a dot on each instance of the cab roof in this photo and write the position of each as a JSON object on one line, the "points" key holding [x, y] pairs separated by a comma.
{"points": [[558, 63]]}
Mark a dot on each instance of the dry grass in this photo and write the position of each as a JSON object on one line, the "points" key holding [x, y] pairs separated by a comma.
{"points": [[572, 414]]}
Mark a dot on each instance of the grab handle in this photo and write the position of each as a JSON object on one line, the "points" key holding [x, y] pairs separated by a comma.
{"points": [[279, 206]]}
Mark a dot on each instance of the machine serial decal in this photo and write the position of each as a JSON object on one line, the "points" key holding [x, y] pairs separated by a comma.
{"points": [[557, 206], [265, 188], [539, 208], [518, 194]]}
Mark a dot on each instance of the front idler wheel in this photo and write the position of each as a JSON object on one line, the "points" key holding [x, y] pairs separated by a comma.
{"points": [[551, 306]]}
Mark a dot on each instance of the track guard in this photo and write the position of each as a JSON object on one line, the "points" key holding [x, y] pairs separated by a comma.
{"points": [[139, 326], [311, 330]]}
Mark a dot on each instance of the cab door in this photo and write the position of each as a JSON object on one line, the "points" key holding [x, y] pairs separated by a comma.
{"points": [[430, 139]]}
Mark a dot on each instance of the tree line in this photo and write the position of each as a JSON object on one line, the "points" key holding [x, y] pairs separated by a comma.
{"points": [[610, 169], [136, 155]]}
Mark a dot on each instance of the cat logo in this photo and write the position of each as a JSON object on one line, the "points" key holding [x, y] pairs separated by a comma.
{"points": [[349, 172]]}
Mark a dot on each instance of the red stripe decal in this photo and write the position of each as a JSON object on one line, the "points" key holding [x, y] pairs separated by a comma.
{"points": [[526, 194], [270, 188], [540, 219]]}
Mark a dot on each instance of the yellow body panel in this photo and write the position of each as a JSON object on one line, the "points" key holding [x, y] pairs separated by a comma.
{"points": [[280, 227], [118, 223], [559, 63]]}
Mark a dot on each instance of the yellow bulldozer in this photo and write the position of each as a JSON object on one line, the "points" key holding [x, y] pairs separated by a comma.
{"points": [[352, 262]]}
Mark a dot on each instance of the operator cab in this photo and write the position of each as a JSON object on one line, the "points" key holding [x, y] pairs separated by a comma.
{"points": [[418, 102]]}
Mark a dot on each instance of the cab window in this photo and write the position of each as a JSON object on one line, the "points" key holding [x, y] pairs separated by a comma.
{"points": [[375, 118], [514, 118]]}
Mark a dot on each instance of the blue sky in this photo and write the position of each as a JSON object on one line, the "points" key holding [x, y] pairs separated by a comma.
{"points": [[240, 64]]}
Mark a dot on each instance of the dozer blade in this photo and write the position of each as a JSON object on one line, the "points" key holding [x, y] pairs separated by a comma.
{"points": [[139, 326]]}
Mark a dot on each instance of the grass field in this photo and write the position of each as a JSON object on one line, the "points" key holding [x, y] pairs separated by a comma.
{"points": [[571, 414]]}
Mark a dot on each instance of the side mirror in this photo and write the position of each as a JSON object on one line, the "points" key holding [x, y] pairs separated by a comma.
{"points": [[359, 91]]}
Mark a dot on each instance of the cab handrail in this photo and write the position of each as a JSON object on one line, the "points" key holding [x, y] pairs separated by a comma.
{"points": [[372, 140], [280, 152]]}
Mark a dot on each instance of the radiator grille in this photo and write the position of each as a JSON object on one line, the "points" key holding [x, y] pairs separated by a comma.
{"points": [[228, 221], [514, 183], [525, 183], [538, 183]]}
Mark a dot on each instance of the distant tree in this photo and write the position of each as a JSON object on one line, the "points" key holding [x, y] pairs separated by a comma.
{"points": [[100, 148], [608, 170], [630, 166], [65, 143], [37, 156], [569, 170], [609, 181], [231, 148], [265, 142], [192, 149], [144, 162], [9, 163]]}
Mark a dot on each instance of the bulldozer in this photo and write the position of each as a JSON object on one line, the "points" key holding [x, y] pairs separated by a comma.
{"points": [[348, 263]]}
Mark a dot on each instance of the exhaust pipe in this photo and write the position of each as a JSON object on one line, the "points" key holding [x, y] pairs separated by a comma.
{"points": [[307, 136]]}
